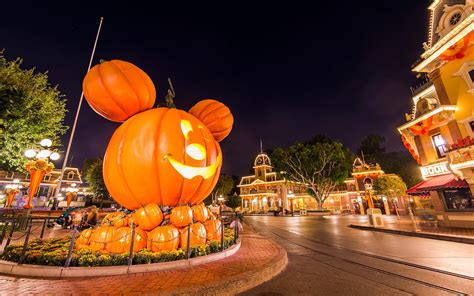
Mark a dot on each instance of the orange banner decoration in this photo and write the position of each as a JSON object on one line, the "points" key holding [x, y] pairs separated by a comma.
{"points": [[36, 176], [37, 168], [422, 127], [70, 196], [458, 50], [411, 150], [11, 195]]}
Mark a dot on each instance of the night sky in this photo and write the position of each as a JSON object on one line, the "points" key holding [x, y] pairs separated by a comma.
{"points": [[342, 69]]}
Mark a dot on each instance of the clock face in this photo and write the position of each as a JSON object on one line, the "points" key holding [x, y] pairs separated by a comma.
{"points": [[455, 18]]}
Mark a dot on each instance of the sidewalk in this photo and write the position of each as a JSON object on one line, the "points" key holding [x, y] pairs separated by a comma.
{"points": [[257, 261], [404, 226]]}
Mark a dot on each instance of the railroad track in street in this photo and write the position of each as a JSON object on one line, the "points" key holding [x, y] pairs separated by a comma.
{"points": [[427, 269]]}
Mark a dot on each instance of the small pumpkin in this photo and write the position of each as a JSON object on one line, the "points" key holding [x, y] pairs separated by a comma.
{"points": [[213, 230], [85, 237], [101, 236], [132, 220], [149, 216], [181, 216], [197, 235], [200, 213], [216, 116], [122, 239], [163, 238], [108, 219], [120, 221], [118, 90]]}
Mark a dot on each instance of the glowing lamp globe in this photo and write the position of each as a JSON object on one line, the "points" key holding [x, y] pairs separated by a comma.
{"points": [[30, 153], [46, 143], [54, 156]]}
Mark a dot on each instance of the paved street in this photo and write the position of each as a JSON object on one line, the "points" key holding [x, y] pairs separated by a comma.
{"points": [[328, 258]]}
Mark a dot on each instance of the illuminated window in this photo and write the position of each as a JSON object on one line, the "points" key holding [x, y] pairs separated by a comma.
{"points": [[455, 18], [70, 175], [9, 175], [47, 178], [439, 144]]}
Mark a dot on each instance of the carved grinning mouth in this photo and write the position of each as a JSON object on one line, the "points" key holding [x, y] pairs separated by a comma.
{"points": [[190, 172]]}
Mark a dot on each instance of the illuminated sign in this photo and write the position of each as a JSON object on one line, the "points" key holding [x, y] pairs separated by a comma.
{"points": [[434, 170]]}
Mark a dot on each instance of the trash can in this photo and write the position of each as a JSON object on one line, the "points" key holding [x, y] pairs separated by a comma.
{"points": [[375, 217]]}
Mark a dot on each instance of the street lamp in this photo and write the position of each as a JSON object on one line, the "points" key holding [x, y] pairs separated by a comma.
{"points": [[38, 165]]}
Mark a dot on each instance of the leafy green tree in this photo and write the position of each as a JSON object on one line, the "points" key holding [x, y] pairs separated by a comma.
{"points": [[94, 178], [225, 185], [320, 163], [390, 185], [372, 144], [30, 110], [234, 201], [400, 163]]}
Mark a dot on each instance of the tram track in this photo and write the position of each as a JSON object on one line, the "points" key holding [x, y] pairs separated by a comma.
{"points": [[376, 269]]}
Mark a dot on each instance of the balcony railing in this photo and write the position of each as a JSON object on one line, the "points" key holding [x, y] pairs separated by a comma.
{"points": [[462, 151]]}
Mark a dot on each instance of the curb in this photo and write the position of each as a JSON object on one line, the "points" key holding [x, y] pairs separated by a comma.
{"points": [[455, 239], [244, 281], [43, 271]]}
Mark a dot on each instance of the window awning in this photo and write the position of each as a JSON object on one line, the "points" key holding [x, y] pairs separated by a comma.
{"points": [[439, 182]]}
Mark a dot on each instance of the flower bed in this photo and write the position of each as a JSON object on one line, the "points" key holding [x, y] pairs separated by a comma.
{"points": [[54, 252]]}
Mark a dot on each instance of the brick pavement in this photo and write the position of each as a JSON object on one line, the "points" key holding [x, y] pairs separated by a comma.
{"points": [[258, 260]]}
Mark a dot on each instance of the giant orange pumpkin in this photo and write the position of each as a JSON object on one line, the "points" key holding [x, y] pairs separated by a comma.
{"points": [[149, 216], [122, 238], [181, 216], [197, 236], [200, 213], [213, 230], [163, 156], [118, 90], [216, 116], [163, 238], [101, 236]]}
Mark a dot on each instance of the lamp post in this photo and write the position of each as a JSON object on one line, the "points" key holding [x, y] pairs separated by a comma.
{"points": [[38, 165], [12, 190], [221, 201]]}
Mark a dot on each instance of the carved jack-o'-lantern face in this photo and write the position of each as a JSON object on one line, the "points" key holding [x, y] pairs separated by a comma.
{"points": [[196, 151], [163, 156]]}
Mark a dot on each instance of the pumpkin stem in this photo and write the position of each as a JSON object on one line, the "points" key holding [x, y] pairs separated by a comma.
{"points": [[169, 98], [101, 61]]}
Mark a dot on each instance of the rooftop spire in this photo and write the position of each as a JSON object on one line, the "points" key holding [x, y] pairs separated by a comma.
{"points": [[261, 146]]}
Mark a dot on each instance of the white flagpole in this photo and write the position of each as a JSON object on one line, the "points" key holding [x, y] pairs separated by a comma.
{"points": [[60, 180]]}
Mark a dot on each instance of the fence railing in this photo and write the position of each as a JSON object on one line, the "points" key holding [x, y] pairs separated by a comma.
{"points": [[10, 229]]}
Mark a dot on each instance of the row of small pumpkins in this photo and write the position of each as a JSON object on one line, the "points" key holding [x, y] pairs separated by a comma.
{"points": [[154, 231]]}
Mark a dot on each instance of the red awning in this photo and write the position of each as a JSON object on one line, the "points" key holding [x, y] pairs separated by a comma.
{"points": [[439, 182]]}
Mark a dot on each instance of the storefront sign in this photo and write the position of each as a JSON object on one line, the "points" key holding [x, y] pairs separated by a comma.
{"points": [[434, 170]]}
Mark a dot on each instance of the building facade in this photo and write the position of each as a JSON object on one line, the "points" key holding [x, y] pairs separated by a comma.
{"points": [[266, 191], [439, 131], [47, 187]]}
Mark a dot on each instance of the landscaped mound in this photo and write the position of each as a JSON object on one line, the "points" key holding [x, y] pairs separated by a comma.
{"points": [[54, 252]]}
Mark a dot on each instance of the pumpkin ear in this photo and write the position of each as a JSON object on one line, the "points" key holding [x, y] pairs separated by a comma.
{"points": [[216, 116]]}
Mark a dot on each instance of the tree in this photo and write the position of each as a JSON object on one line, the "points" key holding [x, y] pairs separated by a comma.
{"points": [[372, 145], [95, 180], [400, 163], [225, 185], [390, 185], [234, 201], [321, 164], [30, 110]]}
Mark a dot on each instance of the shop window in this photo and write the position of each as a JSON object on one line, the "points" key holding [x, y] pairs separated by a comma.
{"points": [[439, 144], [458, 199]]}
